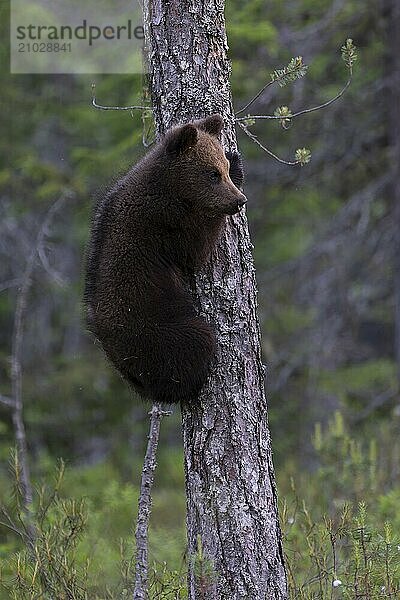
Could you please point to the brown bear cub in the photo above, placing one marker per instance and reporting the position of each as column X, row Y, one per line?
column 155, row 226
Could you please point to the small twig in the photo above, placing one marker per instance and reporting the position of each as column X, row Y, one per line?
column 101, row 107
column 145, row 134
column 301, row 112
column 53, row 274
column 6, row 401
column 12, row 528
column 376, row 403
column 6, row 285
column 16, row 356
column 267, row 85
column 144, row 508
column 257, row 141
column 44, row 507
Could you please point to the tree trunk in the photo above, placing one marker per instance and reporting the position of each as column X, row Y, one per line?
column 234, row 539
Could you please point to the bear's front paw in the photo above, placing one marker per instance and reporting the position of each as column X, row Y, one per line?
column 235, row 168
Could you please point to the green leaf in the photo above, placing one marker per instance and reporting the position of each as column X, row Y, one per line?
column 295, row 70
column 285, row 116
column 302, row 156
column 349, row 53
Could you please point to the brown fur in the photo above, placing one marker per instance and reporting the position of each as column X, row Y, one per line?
column 157, row 224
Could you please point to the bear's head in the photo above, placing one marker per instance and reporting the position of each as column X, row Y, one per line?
column 198, row 170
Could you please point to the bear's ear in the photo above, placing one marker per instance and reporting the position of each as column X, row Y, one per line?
column 181, row 139
column 213, row 124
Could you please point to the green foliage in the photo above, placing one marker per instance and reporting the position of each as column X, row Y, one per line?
column 50, row 532
column 294, row 70
column 78, row 549
column 341, row 529
column 284, row 115
column 349, row 53
column 341, row 557
column 302, row 156
column 166, row 584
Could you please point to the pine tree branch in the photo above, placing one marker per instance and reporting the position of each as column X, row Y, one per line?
column 257, row 141
column 101, row 107
column 295, row 70
column 302, row 112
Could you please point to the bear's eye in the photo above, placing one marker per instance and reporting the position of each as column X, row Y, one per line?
column 215, row 175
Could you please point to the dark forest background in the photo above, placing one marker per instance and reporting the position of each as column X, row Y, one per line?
column 326, row 245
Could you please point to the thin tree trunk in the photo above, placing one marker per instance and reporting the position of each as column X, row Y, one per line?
column 144, row 508
column 16, row 403
column 234, row 539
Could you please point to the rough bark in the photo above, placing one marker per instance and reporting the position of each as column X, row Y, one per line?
column 231, row 494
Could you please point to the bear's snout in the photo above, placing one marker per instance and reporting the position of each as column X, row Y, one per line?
column 235, row 204
column 241, row 200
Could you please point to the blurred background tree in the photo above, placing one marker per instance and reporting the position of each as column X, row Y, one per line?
column 326, row 242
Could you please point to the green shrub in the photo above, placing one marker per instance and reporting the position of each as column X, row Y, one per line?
column 340, row 524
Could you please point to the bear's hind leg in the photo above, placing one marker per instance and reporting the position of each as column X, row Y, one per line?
column 186, row 351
